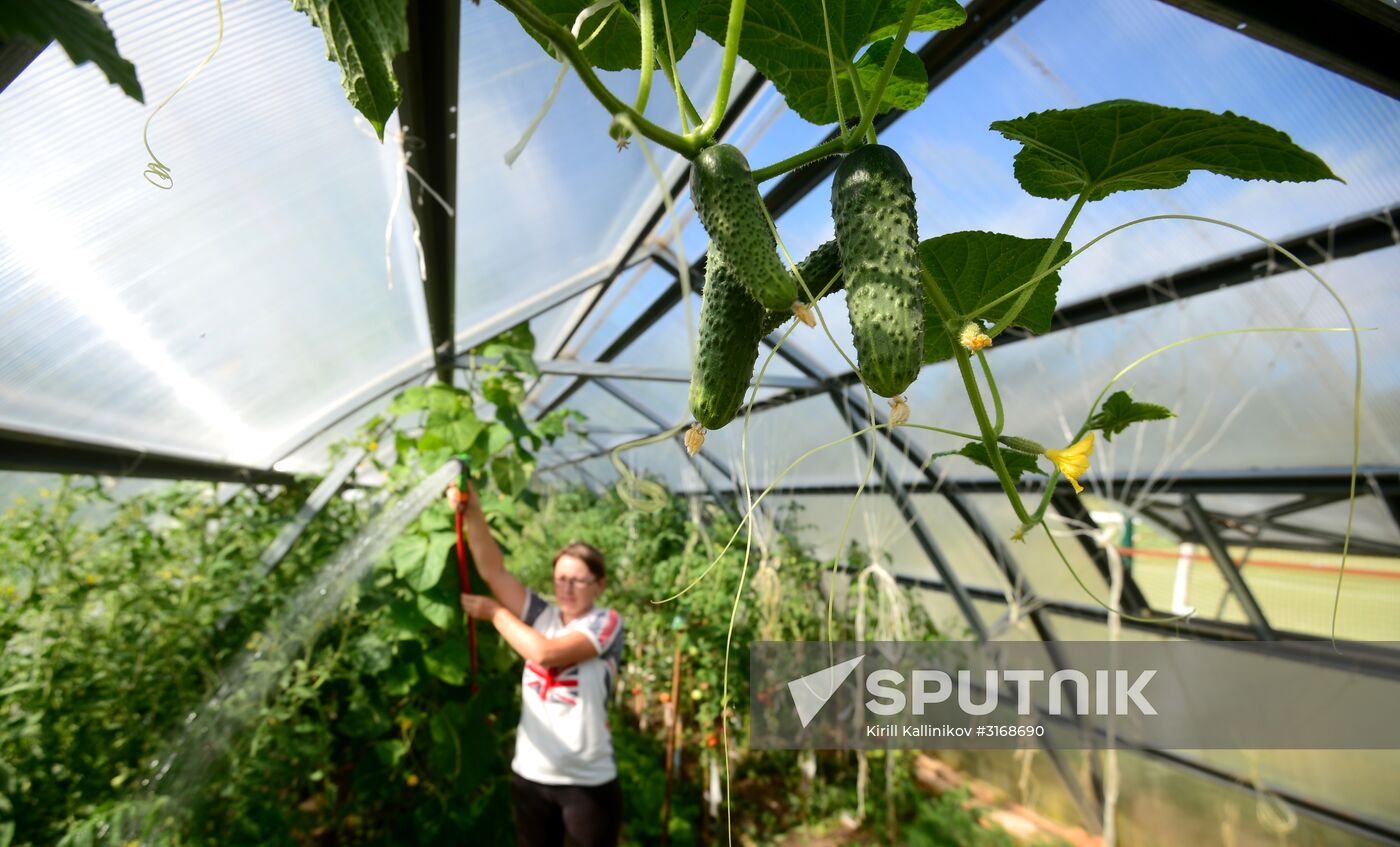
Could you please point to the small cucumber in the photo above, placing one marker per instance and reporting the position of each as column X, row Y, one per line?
column 731, row 210
column 731, row 324
column 872, row 201
column 818, row 269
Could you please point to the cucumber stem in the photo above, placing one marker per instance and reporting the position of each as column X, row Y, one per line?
column 648, row 58
column 1045, row 260
column 911, row 11
column 563, row 42
column 726, row 72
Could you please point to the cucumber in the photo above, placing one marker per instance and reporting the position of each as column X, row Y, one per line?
column 817, row 270
column 731, row 325
column 877, row 233
column 730, row 209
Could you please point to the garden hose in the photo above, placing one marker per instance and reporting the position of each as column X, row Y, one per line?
column 462, row 570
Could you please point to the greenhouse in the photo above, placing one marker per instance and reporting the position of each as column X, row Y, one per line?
column 455, row 423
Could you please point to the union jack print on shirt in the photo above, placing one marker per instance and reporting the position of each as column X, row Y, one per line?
column 552, row 683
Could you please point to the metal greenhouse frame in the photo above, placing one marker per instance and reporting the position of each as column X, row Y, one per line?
column 1356, row 38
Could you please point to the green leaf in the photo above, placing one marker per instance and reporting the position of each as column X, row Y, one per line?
column 1123, row 145
column 79, row 28
column 787, row 41
column 399, row 678
column 510, row 417
column 437, row 609
column 449, row 662
column 908, row 85
column 511, row 474
column 505, row 389
column 618, row 46
column 497, row 438
column 372, row 654
column 390, row 752
column 555, row 424
column 448, row 401
column 434, row 560
column 413, row 399
column 935, row 16
column 972, row 269
column 363, row 37
column 1120, row 410
column 519, row 337
column 407, row 554
column 519, row 360
column 1016, row 463
column 405, row 623
column 461, row 434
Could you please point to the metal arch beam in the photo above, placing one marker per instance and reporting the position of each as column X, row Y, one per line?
column 614, row 371
column 22, row 450
column 1200, row 522
column 428, row 114
column 924, row 538
column 1072, row 508
column 1352, row 237
column 1256, row 482
column 1090, row 805
column 1358, row 39
column 641, row 409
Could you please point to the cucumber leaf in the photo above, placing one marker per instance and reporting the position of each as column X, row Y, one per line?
column 786, row 41
column 1121, row 410
column 908, row 85
column 449, row 661
column 1017, row 463
column 79, row 28
column 613, row 35
column 1124, row 145
column 363, row 37
column 972, row 269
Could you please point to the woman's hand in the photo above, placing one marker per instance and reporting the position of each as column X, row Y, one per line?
column 469, row 500
column 480, row 606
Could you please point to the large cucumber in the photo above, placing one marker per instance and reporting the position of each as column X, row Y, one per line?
column 731, row 325
column 730, row 209
column 872, row 201
column 816, row 270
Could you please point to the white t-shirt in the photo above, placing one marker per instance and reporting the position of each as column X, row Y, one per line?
column 564, row 737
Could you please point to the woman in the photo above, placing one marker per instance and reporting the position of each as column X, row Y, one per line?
column 564, row 789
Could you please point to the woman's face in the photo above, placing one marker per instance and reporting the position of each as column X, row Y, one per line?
column 575, row 587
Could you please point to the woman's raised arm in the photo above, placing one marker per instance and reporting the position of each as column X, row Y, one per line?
column 487, row 554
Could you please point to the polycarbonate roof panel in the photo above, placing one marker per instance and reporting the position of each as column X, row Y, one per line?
column 219, row 319
column 1072, row 53
column 1248, row 401
column 571, row 203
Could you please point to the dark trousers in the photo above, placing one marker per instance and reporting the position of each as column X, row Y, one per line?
column 569, row 815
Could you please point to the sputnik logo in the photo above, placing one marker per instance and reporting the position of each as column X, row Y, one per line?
column 810, row 692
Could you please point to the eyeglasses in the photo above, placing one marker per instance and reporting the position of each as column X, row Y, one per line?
column 565, row 582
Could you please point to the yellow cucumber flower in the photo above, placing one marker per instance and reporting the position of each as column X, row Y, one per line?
column 973, row 339
column 1073, row 460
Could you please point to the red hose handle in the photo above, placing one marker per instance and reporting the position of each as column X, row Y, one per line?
column 465, row 575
